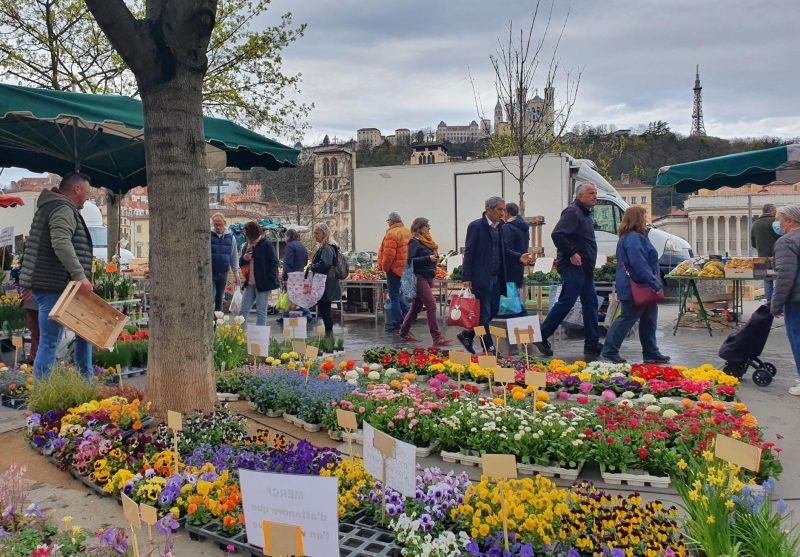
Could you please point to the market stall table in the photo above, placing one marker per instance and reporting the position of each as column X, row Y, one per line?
column 687, row 290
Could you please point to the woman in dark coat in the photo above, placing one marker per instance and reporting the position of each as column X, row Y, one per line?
column 324, row 262
column 295, row 259
column 261, row 264
column 423, row 254
column 637, row 255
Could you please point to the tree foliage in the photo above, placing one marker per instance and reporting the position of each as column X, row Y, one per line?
column 57, row 44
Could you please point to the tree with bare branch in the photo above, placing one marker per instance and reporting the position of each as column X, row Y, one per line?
column 526, row 57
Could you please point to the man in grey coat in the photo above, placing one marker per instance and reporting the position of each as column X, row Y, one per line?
column 786, row 295
column 59, row 250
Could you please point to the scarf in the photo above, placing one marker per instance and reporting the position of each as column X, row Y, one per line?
column 426, row 240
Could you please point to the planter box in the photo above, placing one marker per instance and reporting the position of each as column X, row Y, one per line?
column 227, row 397
column 570, row 474
column 311, row 428
column 292, row 419
column 335, row 434
column 467, row 460
column 213, row 532
column 423, row 452
column 270, row 413
column 635, row 478
column 145, row 423
column 483, row 387
column 88, row 316
column 14, row 403
column 421, row 378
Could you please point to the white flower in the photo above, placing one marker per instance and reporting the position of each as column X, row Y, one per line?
column 625, row 402
column 220, row 322
column 648, row 399
column 375, row 367
column 670, row 413
column 628, row 394
column 239, row 319
column 336, row 378
column 219, row 314
column 653, row 408
column 373, row 375
column 351, row 375
column 391, row 372
column 666, row 400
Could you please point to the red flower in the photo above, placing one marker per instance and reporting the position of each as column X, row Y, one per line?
column 609, row 440
column 642, row 452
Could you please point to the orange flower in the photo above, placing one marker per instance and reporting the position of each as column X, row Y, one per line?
column 191, row 509
column 395, row 384
column 111, row 268
column 687, row 403
column 228, row 521
column 739, row 406
column 409, row 377
column 137, row 425
column 705, row 397
column 749, row 421
column 241, row 519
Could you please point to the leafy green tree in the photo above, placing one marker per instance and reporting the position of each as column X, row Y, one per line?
column 57, row 44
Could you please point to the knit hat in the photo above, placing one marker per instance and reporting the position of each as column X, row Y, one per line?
column 394, row 217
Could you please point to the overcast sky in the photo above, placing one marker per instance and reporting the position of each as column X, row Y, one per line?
column 388, row 64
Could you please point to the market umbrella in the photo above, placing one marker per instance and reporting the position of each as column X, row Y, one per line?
column 753, row 167
column 102, row 135
column 10, row 201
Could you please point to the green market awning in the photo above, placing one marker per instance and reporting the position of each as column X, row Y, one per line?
column 44, row 130
column 752, row 167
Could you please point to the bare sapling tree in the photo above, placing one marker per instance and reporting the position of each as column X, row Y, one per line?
column 166, row 51
column 526, row 57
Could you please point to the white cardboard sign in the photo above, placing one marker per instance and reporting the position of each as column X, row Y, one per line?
column 453, row 262
column 523, row 323
column 543, row 264
column 296, row 327
column 401, row 470
column 258, row 335
column 6, row 236
column 307, row 501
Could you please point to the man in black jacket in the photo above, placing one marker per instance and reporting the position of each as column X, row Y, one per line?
column 763, row 238
column 576, row 248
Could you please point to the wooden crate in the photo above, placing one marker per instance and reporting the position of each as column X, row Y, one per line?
column 89, row 316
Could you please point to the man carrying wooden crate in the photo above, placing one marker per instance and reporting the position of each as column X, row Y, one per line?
column 59, row 250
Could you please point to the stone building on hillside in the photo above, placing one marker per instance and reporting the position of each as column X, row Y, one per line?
column 369, row 137
column 635, row 193
column 459, row 134
column 428, row 154
column 333, row 192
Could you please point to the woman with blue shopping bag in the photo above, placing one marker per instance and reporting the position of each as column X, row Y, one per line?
column 423, row 255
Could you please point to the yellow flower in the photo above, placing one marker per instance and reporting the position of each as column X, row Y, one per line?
column 729, row 504
column 682, row 464
column 711, row 519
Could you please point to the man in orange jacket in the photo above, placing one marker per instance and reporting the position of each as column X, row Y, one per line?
column 392, row 258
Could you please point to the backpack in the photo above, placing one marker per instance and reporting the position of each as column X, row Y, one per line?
column 341, row 268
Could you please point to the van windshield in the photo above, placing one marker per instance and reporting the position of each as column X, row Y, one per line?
column 99, row 236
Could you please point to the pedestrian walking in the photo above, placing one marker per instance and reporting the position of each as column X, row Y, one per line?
column 637, row 260
column 392, row 257
column 763, row 238
column 224, row 258
column 484, row 268
column 295, row 259
column 786, row 295
column 259, row 257
column 576, row 255
column 324, row 262
column 517, row 235
column 423, row 255
column 58, row 250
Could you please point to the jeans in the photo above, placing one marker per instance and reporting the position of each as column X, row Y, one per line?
column 49, row 337
column 490, row 306
column 577, row 282
column 324, row 312
column 791, row 316
column 249, row 296
column 399, row 307
column 648, row 321
column 219, row 282
column 424, row 296
column 768, row 286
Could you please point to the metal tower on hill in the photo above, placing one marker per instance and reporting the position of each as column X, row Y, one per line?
column 698, row 128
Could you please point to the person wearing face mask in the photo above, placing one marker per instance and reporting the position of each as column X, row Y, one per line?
column 786, row 295
column 763, row 235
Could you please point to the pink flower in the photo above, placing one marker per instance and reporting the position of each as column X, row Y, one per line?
column 434, row 383
column 390, row 424
column 608, row 395
column 361, row 409
column 586, row 387
column 441, row 394
column 583, row 399
column 412, row 423
column 563, row 395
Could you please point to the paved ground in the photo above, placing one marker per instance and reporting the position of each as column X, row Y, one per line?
column 774, row 407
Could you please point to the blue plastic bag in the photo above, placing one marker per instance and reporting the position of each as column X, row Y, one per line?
column 510, row 304
column 408, row 283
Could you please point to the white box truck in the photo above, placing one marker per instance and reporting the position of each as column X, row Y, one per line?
column 452, row 195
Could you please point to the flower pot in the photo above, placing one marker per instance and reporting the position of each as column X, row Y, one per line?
column 356, row 437
column 335, row 434
column 468, row 460
column 311, row 428
column 270, row 413
column 637, row 478
column 423, row 452
column 292, row 419
column 570, row 474
column 421, row 378
column 227, row 397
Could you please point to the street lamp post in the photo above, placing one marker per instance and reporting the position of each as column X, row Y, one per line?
column 749, row 223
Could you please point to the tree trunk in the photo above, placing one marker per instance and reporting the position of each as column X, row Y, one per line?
column 113, row 201
column 180, row 363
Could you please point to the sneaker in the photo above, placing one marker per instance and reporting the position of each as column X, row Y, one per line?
column 593, row 352
column 615, row 359
column 796, row 389
column 466, row 341
column 442, row 342
column 544, row 348
column 408, row 337
column 660, row 359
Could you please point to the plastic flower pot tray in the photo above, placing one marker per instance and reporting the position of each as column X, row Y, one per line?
column 145, row 423
column 358, row 438
column 292, row 419
column 483, row 387
column 311, row 428
column 88, row 483
column 227, row 397
column 15, row 403
column 133, row 371
column 570, row 474
column 467, row 460
column 88, row 316
column 356, row 540
column 636, row 478
column 213, row 532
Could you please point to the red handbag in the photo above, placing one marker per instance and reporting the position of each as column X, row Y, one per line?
column 464, row 311
column 643, row 294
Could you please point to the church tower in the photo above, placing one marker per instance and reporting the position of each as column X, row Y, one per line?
column 498, row 114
